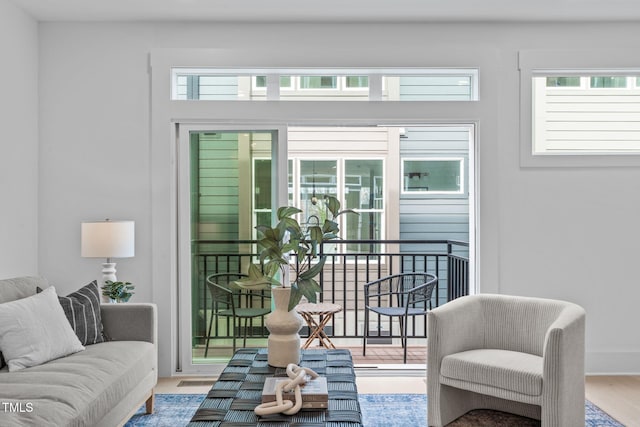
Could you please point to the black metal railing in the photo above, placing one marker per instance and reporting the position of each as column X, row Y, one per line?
column 350, row 264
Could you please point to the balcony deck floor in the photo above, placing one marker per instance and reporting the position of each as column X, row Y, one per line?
column 377, row 354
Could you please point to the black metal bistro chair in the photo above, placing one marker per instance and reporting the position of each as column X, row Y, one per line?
column 230, row 301
column 401, row 295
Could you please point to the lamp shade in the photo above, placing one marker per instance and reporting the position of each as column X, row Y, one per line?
column 108, row 239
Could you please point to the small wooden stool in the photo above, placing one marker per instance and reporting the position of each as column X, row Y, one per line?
column 325, row 311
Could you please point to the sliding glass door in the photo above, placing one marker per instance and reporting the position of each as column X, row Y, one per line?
column 228, row 183
column 411, row 183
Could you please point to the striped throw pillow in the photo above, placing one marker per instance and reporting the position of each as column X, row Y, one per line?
column 82, row 309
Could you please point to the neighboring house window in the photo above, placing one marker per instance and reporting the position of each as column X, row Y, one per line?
column 358, row 184
column 260, row 82
column 433, row 176
column 318, row 82
column 608, row 82
column 356, row 82
column 364, row 193
column 261, row 187
column 262, row 191
column 563, row 81
column 317, row 178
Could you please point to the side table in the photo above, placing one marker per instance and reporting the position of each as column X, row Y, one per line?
column 325, row 311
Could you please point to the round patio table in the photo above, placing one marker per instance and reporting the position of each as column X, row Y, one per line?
column 325, row 312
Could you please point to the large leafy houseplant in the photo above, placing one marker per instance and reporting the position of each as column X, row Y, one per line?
column 287, row 237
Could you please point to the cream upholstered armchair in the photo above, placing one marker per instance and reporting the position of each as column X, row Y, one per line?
column 514, row 354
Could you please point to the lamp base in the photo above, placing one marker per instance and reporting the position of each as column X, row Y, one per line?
column 109, row 272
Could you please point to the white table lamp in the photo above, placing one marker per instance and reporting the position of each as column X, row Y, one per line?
column 108, row 239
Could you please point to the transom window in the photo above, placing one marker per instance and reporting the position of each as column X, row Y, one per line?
column 347, row 85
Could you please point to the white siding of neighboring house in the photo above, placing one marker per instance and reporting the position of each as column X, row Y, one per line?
column 571, row 119
column 435, row 88
column 437, row 216
column 209, row 88
column 218, row 191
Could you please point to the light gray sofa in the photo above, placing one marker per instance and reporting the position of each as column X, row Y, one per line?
column 101, row 386
column 509, row 353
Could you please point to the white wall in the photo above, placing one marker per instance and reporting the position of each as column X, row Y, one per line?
column 18, row 142
column 94, row 148
column 563, row 233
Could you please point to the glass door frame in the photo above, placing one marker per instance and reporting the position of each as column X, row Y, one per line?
column 279, row 196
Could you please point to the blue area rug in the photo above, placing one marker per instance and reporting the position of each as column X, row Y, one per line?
column 406, row 410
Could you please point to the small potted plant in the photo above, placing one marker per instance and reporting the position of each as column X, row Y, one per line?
column 118, row 291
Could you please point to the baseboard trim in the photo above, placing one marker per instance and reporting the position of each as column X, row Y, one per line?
column 613, row 363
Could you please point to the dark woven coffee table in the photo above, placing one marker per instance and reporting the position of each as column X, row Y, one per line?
column 238, row 391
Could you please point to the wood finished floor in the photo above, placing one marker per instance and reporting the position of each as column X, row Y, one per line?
column 617, row 395
column 385, row 355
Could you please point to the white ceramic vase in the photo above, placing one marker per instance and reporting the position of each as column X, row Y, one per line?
column 283, row 326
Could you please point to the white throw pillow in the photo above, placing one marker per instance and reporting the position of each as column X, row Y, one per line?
column 35, row 330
